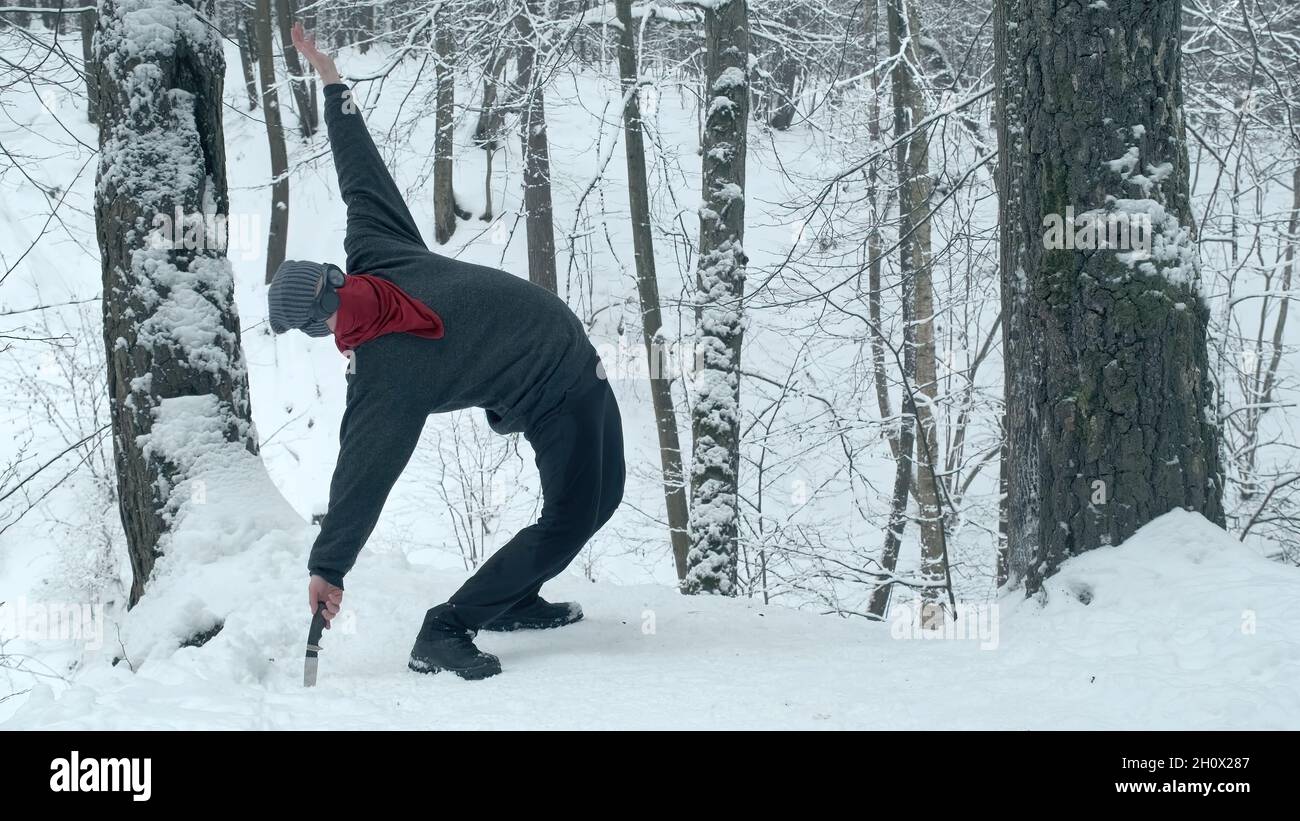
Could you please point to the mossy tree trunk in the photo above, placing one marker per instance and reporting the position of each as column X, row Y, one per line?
column 1120, row 405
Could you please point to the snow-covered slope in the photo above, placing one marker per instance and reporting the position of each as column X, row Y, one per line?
column 1181, row 627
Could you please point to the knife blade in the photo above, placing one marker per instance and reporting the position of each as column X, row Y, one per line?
column 312, row 662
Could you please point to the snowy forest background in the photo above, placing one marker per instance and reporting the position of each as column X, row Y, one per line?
column 861, row 334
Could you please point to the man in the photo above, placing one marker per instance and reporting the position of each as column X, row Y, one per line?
column 428, row 334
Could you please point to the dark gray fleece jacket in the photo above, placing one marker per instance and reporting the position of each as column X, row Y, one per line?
column 509, row 346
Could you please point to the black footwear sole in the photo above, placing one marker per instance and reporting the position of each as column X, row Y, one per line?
column 469, row 673
column 505, row 625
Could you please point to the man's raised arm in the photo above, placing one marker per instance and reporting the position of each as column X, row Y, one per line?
column 379, row 223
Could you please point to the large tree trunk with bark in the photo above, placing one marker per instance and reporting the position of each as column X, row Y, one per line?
column 1122, row 418
column 277, row 235
column 176, row 375
column 661, row 386
column 719, row 316
column 537, row 157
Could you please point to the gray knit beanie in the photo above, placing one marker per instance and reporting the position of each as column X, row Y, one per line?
column 292, row 292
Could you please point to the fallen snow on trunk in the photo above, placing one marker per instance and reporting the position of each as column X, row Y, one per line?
column 1180, row 627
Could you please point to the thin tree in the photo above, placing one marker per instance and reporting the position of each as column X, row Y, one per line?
column 444, row 194
column 719, row 315
column 913, row 166
column 488, row 127
column 299, row 82
column 647, row 282
column 246, row 40
column 277, row 235
column 87, row 54
column 902, row 435
column 537, row 157
column 1020, row 364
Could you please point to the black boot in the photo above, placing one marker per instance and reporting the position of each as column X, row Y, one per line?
column 536, row 614
column 444, row 647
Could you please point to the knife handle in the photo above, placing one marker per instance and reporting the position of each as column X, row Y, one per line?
column 318, row 625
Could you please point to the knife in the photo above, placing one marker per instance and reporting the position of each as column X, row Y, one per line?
column 312, row 662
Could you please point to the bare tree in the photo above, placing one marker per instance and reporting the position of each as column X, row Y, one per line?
column 247, row 42
column 661, row 386
column 487, row 129
column 715, row 413
column 536, row 147
column 308, row 116
column 444, row 194
column 277, row 235
column 87, row 53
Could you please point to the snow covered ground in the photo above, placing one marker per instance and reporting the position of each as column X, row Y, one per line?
column 1182, row 628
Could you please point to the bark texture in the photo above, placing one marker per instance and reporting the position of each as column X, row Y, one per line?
column 1117, row 394
column 171, row 330
column 715, row 413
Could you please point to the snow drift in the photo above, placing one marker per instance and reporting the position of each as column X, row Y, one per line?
column 1180, row 627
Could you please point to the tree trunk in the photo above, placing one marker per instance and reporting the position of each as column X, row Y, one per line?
column 88, row 64
column 488, row 127
column 444, row 194
column 901, row 438
column 785, row 77
column 912, row 158
column 365, row 27
column 309, row 19
column 278, row 234
column 1122, row 407
column 308, row 116
column 537, row 160
column 719, row 317
column 156, row 99
column 53, row 19
column 1263, row 378
column 661, row 386
column 245, row 39
column 1020, row 361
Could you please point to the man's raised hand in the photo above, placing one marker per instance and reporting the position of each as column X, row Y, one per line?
column 322, row 62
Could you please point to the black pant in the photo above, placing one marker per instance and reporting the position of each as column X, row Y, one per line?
column 579, row 448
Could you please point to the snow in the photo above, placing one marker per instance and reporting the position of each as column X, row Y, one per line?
column 720, row 104
column 730, row 78
column 607, row 15
column 1125, row 164
column 1180, row 627
column 1172, row 254
column 154, row 27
